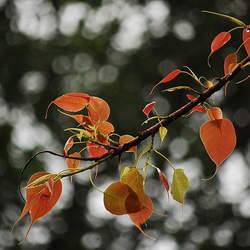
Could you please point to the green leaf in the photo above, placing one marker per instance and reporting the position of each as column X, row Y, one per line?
column 232, row 19
column 163, row 132
column 180, row 185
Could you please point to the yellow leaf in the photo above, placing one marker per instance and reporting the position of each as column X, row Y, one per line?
column 180, row 185
column 163, row 132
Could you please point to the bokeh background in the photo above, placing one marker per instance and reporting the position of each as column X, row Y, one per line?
column 118, row 49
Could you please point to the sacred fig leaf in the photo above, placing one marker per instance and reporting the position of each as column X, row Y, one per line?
column 126, row 139
column 221, row 39
column 215, row 113
column 95, row 150
column 140, row 217
column 72, row 102
column 180, row 185
column 169, row 77
column 219, row 139
column 40, row 200
column 147, row 109
column 120, row 199
column 163, row 132
column 246, row 38
column 229, row 63
column 73, row 163
column 98, row 109
column 132, row 177
column 105, row 128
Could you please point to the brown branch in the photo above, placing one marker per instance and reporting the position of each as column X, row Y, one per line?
column 222, row 81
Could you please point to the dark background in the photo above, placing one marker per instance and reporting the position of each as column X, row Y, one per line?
column 117, row 50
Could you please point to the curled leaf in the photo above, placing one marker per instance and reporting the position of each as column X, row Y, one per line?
column 177, row 88
column 221, row 39
column 120, row 199
column 163, row 179
column 180, row 185
column 68, row 145
column 147, row 109
column 215, row 113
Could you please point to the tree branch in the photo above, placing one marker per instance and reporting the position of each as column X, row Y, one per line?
column 221, row 82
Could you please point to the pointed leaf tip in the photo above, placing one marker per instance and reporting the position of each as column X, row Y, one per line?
column 219, row 139
column 221, row 39
column 170, row 76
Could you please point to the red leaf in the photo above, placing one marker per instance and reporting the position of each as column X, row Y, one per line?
column 173, row 74
column 246, row 39
column 81, row 119
column 41, row 199
column 229, row 63
column 98, row 110
column 72, row 102
column 163, row 179
column 190, row 97
column 197, row 108
column 221, row 39
column 219, row 139
column 73, row 163
column 148, row 108
column 95, row 150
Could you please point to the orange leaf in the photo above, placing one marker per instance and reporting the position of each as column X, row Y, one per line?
column 105, row 128
column 98, row 110
column 190, row 97
column 215, row 113
column 41, row 199
column 221, row 39
column 95, row 150
column 147, row 109
column 229, row 63
column 120, row 199
column 138, row 218
column 219, row 139
column 169, row 77
column 246, row 38
column 72, row 102
column 73, row 163
column 126, row 139
column 68, row 145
